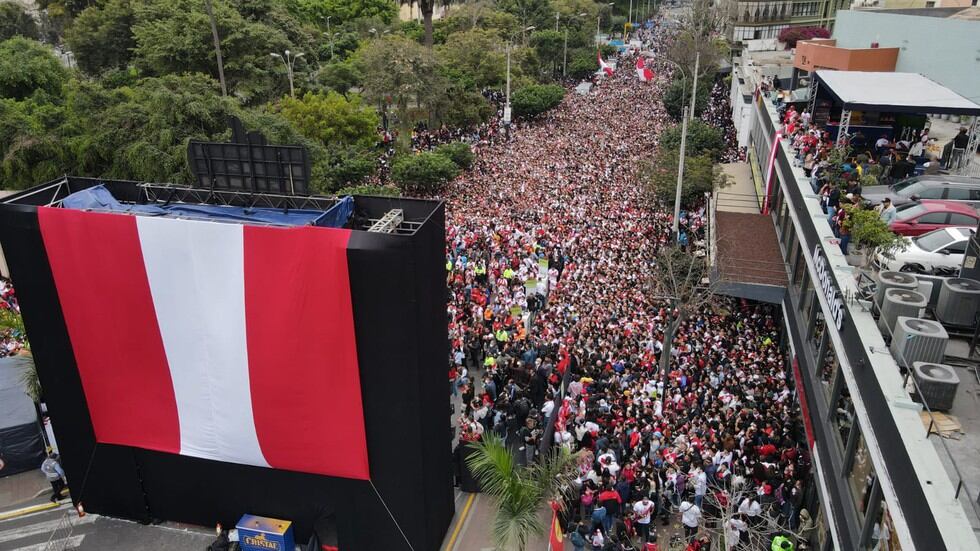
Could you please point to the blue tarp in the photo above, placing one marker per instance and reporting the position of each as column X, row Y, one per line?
column 99, row 198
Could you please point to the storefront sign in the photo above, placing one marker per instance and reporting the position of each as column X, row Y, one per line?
column 265, row 534
column 828, row 286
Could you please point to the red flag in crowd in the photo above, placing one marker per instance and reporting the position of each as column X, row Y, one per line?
column 605, row 66
column 642, row 71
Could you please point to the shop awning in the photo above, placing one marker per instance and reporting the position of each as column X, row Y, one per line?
column 893, row 93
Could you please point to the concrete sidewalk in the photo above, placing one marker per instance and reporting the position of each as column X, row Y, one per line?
column 23, row 490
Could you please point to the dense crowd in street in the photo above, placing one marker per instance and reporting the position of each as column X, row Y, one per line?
column 549, row 244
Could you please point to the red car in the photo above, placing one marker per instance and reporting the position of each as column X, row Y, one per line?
column 925, row 216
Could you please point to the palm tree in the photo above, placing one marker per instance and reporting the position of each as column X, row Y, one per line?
column 520, row 493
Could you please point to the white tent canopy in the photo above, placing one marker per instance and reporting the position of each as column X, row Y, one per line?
column 894, row 93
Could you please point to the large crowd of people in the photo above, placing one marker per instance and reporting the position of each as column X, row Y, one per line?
column 550, row 241
column 12, row 339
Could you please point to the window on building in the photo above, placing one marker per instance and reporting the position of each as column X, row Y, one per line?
column 862, row 476
column 844, row 414
column 816, row 336
column 828, row 367
column 929, row 4
column 883, row 534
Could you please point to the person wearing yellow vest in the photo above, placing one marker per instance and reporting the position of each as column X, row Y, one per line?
column 508, row 274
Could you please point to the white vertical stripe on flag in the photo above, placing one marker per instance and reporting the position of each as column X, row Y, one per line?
column 196, row 275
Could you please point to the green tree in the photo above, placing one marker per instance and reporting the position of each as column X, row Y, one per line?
column 15, row 21
column 519, row 493
column 101, row 37
column 678, row 95
column 463, row 109
column 582, row 63
column 424, row 172
column 174, row 36
column 461, row 154
column 531, row 101
column 701, row 175
column 702, row 139
column 334, row 120
column 529, row 12
column 400, row 72
column 340, row 76
column 478, row 55
column 27, row 67
column 340, row 11
column 549, row 45
column 349, row 167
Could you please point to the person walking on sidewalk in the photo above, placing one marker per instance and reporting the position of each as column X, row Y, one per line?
column 52, row 470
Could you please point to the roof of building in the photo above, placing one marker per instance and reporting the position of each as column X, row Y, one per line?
column 970, row 13
column 894, row 93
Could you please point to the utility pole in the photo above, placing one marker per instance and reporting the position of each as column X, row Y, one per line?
column 557, row 15
column 694, row 87
column 217, row 48
column 507, row 97
column 680, row 179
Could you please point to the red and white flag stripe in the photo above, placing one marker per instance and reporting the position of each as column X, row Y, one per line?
column 219, row 341
column 642, row 71
column 605, row 66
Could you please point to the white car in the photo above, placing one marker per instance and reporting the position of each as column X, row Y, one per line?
column 940, row 249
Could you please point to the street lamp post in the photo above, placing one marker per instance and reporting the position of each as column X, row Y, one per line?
column 289, row 61
column 680, row 179
column 332, row 37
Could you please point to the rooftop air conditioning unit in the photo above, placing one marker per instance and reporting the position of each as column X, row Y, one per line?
column 959, row 301
column 937, row 384
column 893, row 280
column 918, row 340
column 899, row 302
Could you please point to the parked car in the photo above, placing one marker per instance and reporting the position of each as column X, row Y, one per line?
column 937, row 252
column 960, row 189
column 925, row 216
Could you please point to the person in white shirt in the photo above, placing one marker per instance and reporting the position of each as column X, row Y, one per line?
column 700, row 486
column 690, row 518
column 733, row 531
column 643, row 510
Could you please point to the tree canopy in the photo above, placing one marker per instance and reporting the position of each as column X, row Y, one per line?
column 29, row 68
column 701, row 175
column 702, row 139
column 425, row 172
column 531, row 101
column 15, row 21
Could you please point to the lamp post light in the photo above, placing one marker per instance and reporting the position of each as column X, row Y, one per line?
column 332, row 37
column 289, row 61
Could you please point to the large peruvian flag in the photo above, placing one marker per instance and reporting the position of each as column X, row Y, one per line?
column 220, row 341
column 642, row 71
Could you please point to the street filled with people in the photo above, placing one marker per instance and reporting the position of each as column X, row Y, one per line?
column 550, row 240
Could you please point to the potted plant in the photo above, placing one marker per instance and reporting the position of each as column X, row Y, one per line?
column 871, row 235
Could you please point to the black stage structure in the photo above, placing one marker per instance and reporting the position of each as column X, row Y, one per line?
column 398, row 292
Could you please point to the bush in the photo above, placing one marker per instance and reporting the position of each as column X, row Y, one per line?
column 458, row 152
column 424, row 173
column 384, row 191
column 349, row 169
column 531, row 101
column 702, row 139
column 792, row 35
